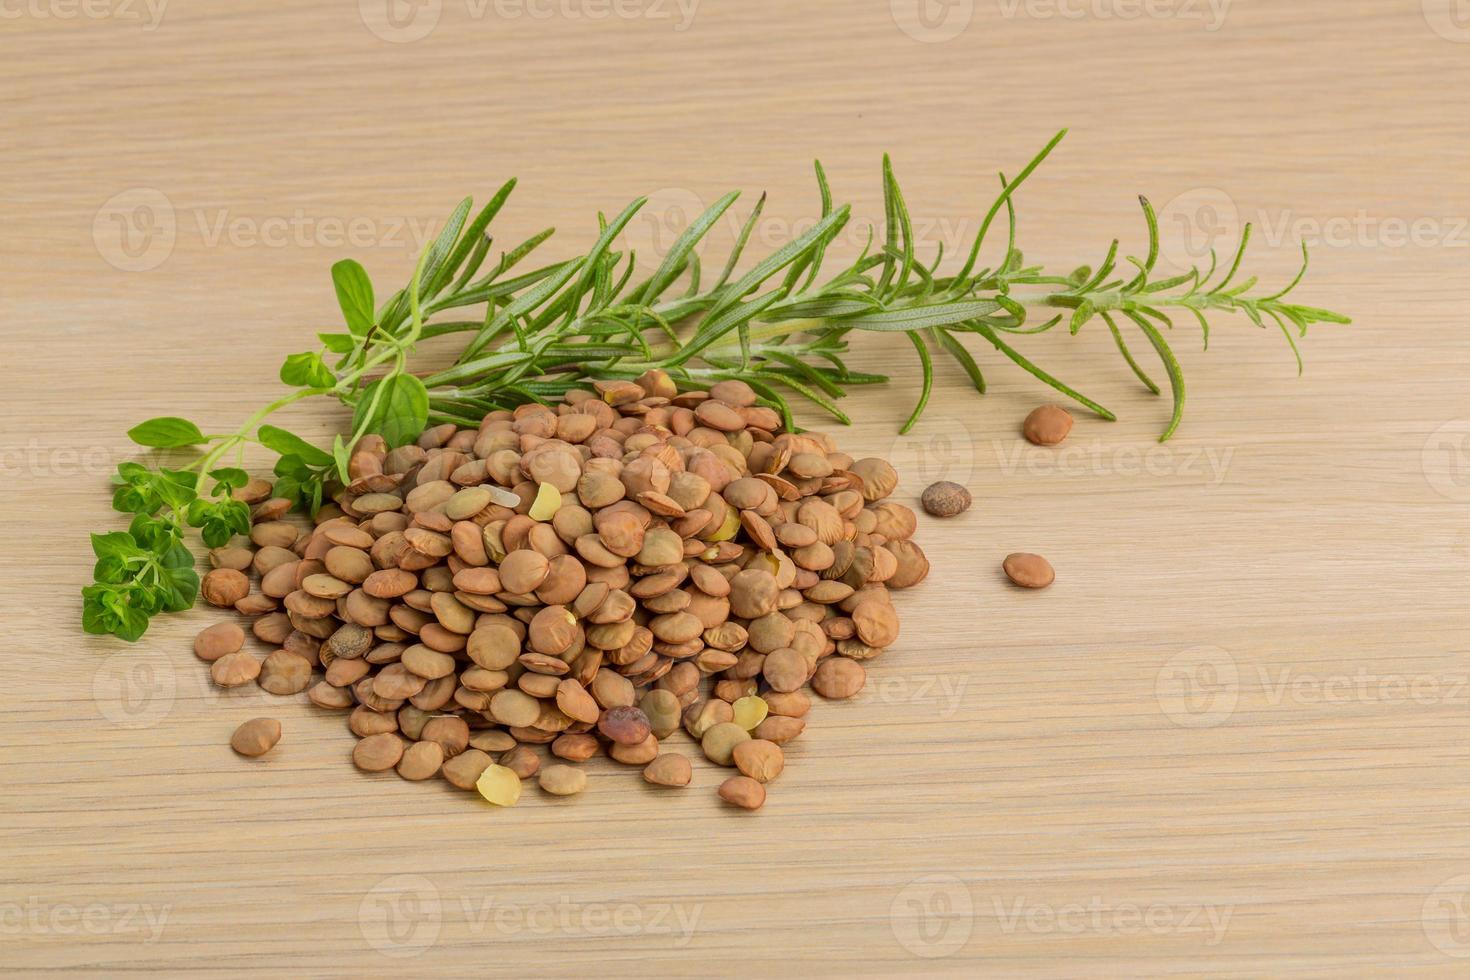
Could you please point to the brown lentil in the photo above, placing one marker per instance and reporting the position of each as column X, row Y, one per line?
column 464, row 770
column 234, row 669
column 1029, row 571
column 779, row 729
column 559, row 780
column 946, row 499
column 256, row 737
column 718, row 743
column 744, row 792
column 521, row 760
column 1047, row 425
column 625, row 725
column 838, row 678
column 378, row 753
column 669, row 769
column 218, row 640
column 759, row 759
column 284, row 672
column 420, row 761
column 224, row 587
column 640, row 754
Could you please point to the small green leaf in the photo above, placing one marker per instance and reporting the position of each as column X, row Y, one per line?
column 154, row 534
column 290, row 444
column 354, row 295
column 166, row 432
column 293, row 467
column 337, row 343
column 176, row 487
column 136, row 496
column 180, row 581
column 228, row 478
column 307, row 370
column 117, row 544
column 400, row 409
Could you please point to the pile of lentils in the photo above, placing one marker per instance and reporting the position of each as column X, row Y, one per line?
column 587, row 578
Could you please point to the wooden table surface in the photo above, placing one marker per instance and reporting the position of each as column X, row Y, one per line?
column 1231, row 740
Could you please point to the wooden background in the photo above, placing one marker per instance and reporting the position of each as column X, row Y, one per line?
column 1231, row 740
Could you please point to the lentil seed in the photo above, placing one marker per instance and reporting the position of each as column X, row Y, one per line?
column 256, row 737
column 562, row 780
column 1048, row 425
column 669, row 769
column 744, row 792
column 218, row 640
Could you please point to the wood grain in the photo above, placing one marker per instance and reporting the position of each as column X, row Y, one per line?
column 1229, row 742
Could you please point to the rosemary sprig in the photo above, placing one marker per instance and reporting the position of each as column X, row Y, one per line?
column 783, row 326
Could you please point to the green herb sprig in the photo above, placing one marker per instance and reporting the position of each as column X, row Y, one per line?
column 783, row 325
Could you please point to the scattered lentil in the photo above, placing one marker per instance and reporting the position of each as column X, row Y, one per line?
column 946, row 499
column 1029, row 571
column 1047, row 425
column 256, row 737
